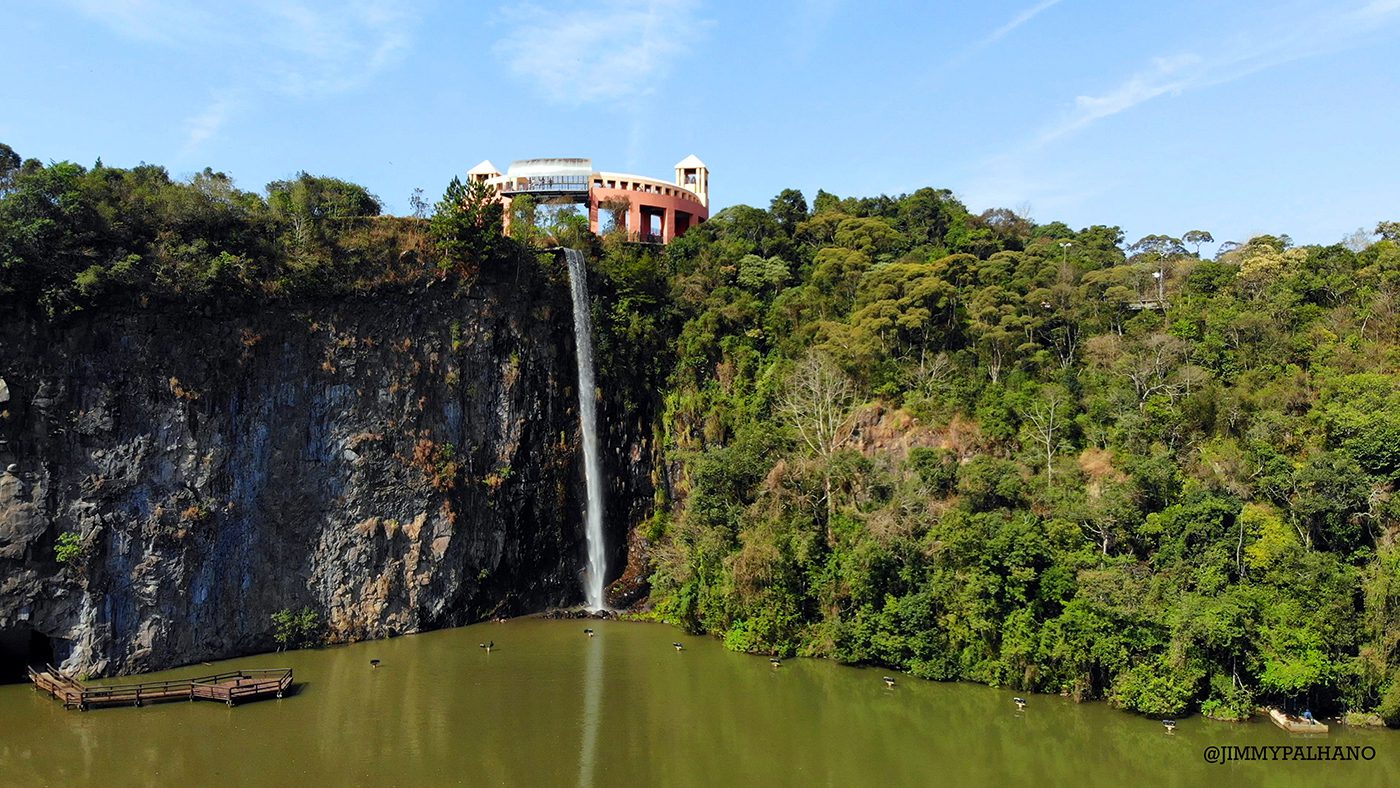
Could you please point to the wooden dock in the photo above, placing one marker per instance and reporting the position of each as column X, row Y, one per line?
column 230, row 687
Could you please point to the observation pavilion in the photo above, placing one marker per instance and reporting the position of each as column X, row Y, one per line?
column 656, row 211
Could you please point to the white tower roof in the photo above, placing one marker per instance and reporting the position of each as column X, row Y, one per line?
column 690, row 162
column 484, row 168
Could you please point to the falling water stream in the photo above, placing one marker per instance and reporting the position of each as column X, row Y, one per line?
column 588, row 424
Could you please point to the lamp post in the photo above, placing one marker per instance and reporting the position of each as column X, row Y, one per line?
column 1161, row 299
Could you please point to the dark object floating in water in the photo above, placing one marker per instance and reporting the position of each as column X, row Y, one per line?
column 374, row 663
column 889, row 681
column 775, row 662
column 679, row 646
column 588, row 632
column 488, row 645
column 1020, row 703
column 1170, row 725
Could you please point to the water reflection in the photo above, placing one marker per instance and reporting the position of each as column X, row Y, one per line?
column 592, row 701
column 551, row 707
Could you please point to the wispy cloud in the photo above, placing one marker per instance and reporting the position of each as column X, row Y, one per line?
column 158, row 21
column 1276, row 42
column 206, row 124
column 614, row 51
column 1271, row 39
column 969, row 51
column 1165, row 75
column 1379, row 8
column 288, row 47
column 1016, row 21
column 331, row 48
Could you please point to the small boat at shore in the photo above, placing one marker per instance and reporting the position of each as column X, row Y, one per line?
column 1295, row 724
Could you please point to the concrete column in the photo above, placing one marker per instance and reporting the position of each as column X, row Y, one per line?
column 668, row 225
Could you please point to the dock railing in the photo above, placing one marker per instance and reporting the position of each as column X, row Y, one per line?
column 228, row 687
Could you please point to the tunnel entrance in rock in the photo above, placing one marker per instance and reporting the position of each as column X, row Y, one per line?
column 20, row 647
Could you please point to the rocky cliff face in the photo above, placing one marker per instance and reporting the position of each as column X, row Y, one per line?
column 396, row 462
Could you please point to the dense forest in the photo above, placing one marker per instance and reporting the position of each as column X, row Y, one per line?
column 981, row 448
column 966, row 446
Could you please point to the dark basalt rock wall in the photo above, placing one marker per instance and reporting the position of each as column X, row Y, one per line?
column 398, row 461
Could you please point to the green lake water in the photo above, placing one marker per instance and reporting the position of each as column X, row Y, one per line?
column 549, row 706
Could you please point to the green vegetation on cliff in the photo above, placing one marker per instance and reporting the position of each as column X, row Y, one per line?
column 73, row 237
column 976, row 447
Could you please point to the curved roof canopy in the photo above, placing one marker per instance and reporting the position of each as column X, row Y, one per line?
column 547, row 168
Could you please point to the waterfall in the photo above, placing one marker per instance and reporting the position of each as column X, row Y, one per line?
column 588, row 424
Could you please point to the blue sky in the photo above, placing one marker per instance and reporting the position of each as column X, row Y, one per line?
column 1234, row 117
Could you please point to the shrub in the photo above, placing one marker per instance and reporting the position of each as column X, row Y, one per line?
column 295, row 628
column 936, row 468
column 68, row 548
column 1227, row 701
column 1389, row 708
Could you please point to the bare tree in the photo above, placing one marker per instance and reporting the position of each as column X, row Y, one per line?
column 1152, row 367
column 1098, row 532
column 817, row 400
column 1046, row 419
column 931, row 374
column 417, row 202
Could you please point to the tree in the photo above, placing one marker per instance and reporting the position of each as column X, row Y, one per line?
column 466, row 227
column 825, row 202
column 1152, row 366
column 816, row 400
column 617, row 209
column 9, row 168
column 524, row 218
column 762, row 274
column 1045, row 418
column 317, row 197
column 308, row 202
column 1011, row 227
column 419, row 205
column 569, row 227
column 1196, row 238
column 789, row 208
column 898, row 303
column 926, row 215
column 1357, row 240
column 1153, row 247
